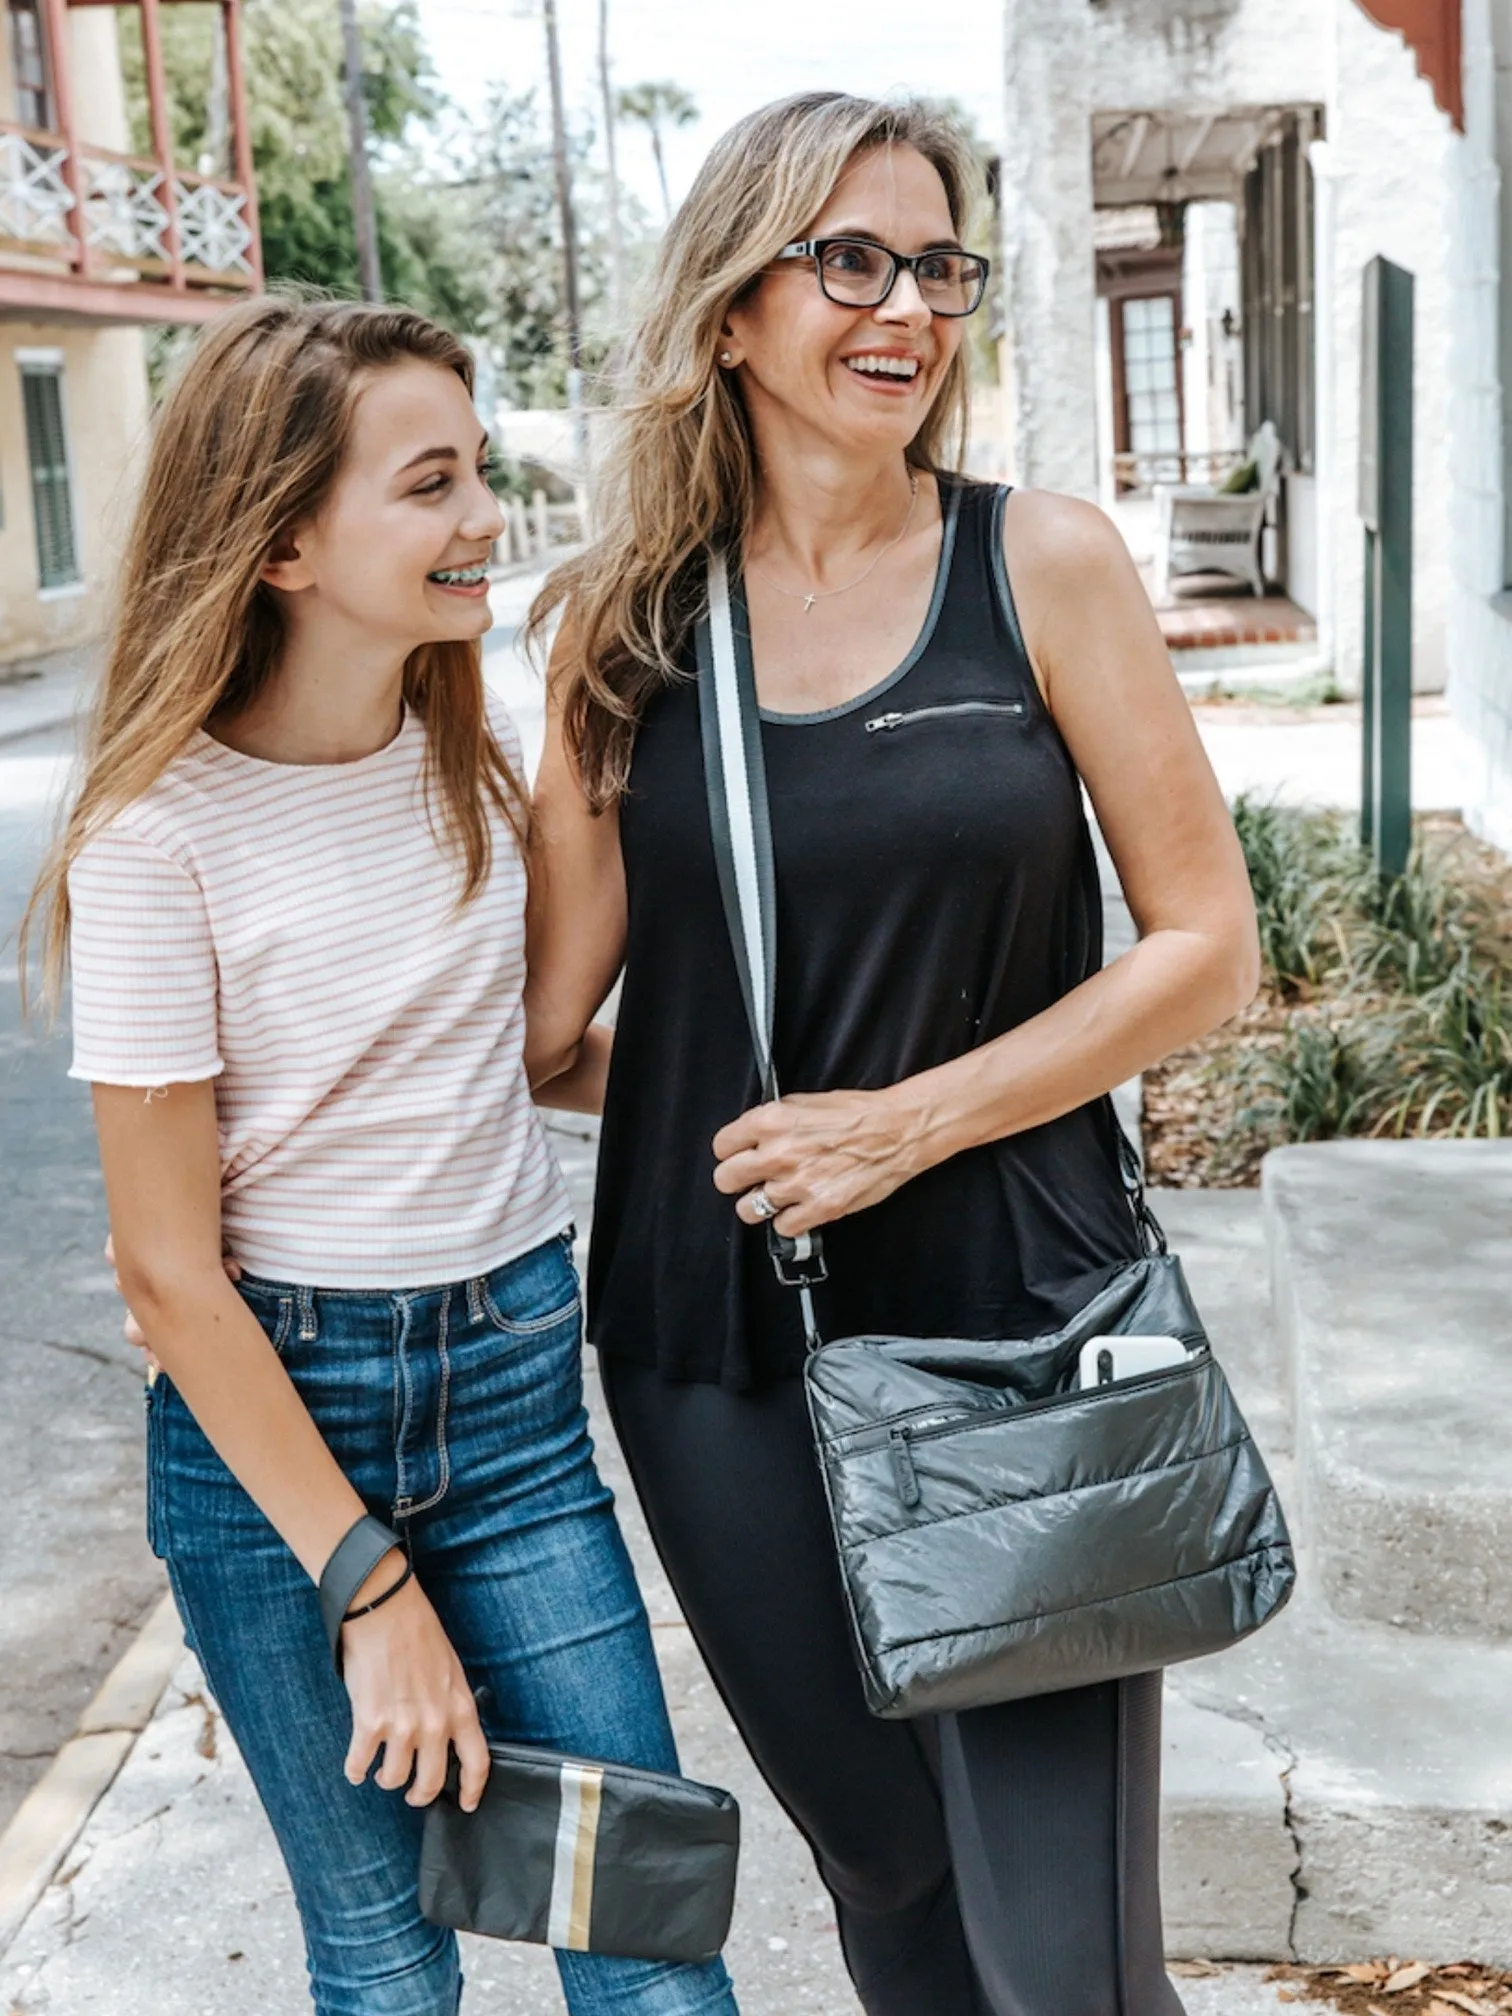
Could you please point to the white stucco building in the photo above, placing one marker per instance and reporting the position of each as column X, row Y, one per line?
column 1280, row 144
column 96, row 244
column 1480, row 415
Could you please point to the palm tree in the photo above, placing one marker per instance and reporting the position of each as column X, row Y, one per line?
column 656, row 106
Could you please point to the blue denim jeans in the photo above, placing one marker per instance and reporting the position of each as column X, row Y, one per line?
column 458, row 1414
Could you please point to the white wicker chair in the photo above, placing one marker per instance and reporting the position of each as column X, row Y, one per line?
column 1199, row 530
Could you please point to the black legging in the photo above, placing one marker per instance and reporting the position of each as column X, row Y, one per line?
column 1002, row 1862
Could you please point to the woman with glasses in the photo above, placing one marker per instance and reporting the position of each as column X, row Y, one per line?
column 940, row 667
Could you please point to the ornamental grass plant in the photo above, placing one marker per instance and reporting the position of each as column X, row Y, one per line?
column 1385, row 1009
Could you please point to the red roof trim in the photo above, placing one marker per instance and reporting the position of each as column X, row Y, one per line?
column 1432, row 30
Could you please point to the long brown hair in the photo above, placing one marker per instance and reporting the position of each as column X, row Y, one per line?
column 680, row 472
column 248, row 445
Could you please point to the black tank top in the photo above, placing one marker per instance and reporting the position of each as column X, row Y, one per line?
column 936, row 886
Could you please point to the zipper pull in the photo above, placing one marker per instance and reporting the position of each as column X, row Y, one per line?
column 903, row 1466
column 879, row 723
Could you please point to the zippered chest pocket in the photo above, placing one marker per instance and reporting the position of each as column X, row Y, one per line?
column 948, row 710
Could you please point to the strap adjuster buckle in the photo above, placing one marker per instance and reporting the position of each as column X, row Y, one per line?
column 797, row 1263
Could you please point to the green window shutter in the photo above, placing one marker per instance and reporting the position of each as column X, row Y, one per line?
column 47, row 452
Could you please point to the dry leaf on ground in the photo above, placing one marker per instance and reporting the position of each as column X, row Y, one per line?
column 1460, row 1987
column 1192, row 1970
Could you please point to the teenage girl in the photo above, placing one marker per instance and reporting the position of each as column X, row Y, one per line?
column 294, row 889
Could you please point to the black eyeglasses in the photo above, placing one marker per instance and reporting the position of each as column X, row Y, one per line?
column 858, row 273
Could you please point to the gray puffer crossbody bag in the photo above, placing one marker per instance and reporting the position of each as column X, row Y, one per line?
column 1001, row 1530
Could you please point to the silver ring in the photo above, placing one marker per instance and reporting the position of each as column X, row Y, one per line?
column 761, row 1204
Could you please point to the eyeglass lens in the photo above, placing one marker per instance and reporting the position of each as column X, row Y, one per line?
column 859, row 275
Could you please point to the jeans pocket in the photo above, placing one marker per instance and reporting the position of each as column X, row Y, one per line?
column 536, row 1293
column 529, row 1326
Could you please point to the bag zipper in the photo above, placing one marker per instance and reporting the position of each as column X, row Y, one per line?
column 882, row 724
column 903, row 1429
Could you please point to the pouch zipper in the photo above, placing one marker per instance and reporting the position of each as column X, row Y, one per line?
column 526, row 1754
column 882, row 724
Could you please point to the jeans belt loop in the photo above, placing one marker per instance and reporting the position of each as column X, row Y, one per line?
column 304, row 1300
column 475, row 1298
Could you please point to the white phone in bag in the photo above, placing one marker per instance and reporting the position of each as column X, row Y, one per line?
column 1106, row 1360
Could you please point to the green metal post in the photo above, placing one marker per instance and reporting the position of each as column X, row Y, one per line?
column 1386, row 508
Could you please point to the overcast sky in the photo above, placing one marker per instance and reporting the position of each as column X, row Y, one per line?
column 731, row 57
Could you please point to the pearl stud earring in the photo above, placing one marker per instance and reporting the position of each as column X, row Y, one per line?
column 727, row 357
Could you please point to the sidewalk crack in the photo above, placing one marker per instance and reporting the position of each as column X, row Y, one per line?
column 1282, row 1750
column 89, row 1845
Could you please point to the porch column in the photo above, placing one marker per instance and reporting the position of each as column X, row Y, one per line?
column 1048, row 288
column 60, row 54
column 162, row 134
column 1336, row 486
column 241, row 131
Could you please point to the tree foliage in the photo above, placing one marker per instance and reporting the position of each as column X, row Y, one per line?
column 511, row 181
column 467, row 213
column 298, row 122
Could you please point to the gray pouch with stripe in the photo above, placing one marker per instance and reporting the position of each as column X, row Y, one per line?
column 590, row 1857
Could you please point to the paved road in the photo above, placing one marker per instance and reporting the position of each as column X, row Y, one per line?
column 76, row 1577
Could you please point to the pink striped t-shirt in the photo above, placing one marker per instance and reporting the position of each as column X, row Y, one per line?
column 292, row 931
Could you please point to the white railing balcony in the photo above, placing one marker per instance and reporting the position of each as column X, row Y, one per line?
column 97, row 215
column 35, row 198
column 214, row 234
column 124, row 218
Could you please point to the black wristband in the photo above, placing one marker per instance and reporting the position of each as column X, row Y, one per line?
column 353, row 1559
column 363, row 1609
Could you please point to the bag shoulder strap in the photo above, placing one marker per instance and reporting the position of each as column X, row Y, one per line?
column 740, row 826
column 739, row 816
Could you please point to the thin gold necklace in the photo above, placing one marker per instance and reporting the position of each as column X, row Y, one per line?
column 824, row 594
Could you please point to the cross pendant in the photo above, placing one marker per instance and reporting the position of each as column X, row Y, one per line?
column 808, row 603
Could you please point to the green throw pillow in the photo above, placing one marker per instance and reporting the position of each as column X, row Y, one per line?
column 1245, row 477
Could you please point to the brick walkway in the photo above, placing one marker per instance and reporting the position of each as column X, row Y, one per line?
column 1199, row 617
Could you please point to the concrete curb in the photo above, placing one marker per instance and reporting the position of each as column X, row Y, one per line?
column 53, row 1814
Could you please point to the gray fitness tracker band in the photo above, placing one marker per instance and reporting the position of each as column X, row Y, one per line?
column 354, row 1558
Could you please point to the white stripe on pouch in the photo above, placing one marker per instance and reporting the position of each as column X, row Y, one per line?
column 569, row 1919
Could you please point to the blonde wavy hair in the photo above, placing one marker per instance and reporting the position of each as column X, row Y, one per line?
column 680, row 471
column 249, row 444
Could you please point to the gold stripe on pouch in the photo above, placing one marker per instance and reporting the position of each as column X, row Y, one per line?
column 570, row 1916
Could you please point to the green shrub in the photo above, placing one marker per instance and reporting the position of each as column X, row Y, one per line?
column 1324, row 1079
column 1417, row 1035
column 1416, row 932
column 1455, row 1065
column 1302, row 870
